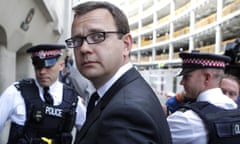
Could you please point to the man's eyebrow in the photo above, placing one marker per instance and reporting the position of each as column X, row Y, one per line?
column 89, row 32
column 95, row 30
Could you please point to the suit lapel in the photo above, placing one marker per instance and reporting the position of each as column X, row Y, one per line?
column 129, row 76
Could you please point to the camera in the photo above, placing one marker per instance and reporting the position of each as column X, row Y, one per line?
column 232, row 50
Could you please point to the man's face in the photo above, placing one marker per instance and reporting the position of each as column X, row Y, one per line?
column 193, row 83
column 46, row 76
column 230, row 88
column 99, row 62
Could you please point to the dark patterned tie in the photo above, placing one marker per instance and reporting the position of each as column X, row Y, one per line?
column 91, row 103
column 48, row 98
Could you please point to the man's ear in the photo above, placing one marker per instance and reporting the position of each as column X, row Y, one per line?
column 127, row 41
column 207, row 76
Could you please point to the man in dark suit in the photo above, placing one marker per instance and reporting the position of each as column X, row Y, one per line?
column 126, row 111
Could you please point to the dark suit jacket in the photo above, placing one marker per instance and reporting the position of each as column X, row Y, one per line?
column 129, row 113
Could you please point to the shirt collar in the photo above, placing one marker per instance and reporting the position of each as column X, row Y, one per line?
column 53, row 87
column 102, row 90
column 215, row 96
column 204, row 96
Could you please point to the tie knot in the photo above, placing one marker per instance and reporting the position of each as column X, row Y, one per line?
column 48, row 98
column 95, row 96
column 91, row 103
column 46, row 88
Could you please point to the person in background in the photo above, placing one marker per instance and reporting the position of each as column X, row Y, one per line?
column 42, row 110
column 64, row 74
column 230, row 86
column 201, row 73
column 124, row 109
column 173, row 103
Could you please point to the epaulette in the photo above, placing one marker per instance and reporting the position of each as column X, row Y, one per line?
column 17, row 85
column 26, row 81
column 23, row 81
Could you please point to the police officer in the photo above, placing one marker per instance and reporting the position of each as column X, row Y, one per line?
column 42, row 110
column 201, row 74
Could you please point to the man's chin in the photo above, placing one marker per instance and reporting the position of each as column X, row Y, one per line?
column 44, row 84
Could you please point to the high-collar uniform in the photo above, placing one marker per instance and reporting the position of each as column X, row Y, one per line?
column 12, row 106
column 128, row 112
column 187, row 127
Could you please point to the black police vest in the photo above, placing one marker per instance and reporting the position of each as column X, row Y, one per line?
column 43, row 120
column 223, row 125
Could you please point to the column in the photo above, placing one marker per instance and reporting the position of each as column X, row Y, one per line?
column 192, row 24
column 172, row 9
column 8, row 68
column 218, row 37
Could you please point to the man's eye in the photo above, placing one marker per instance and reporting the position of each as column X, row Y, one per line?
column 97, row 36
column 78, row 39
column 233, row 94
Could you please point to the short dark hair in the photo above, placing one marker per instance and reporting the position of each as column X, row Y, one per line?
column 231, row 77
column 119, row 17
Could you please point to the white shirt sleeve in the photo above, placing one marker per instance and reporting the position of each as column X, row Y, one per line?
column 12, row 107
column 187, row 128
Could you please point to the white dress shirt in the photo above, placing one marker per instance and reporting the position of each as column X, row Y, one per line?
column 12, row 106
column 102, row 90
column 187, row 127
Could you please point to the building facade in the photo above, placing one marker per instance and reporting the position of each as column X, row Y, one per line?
column 26, row 23
column 163, row 28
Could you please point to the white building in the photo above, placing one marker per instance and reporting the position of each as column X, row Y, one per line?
column 163, row 28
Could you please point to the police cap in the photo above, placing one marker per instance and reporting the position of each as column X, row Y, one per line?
column 45, row 55
column 196, row 60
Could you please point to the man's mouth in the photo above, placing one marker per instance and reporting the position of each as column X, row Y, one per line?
column 88, row 62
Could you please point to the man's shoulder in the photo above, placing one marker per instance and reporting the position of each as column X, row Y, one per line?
column 223, row 102
column 26, row 81
column 216, row 97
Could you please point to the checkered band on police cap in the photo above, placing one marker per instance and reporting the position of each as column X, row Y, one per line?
column 204, row 62
column 45, row 55
column 197, row 60
column 44, row 51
